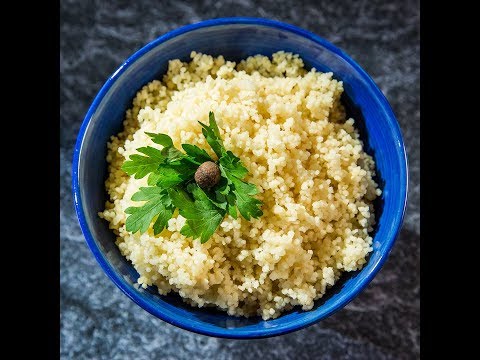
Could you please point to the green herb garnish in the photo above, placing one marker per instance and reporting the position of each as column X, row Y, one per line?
column 202, row 189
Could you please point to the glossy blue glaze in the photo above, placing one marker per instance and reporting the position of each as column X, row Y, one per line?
column 237, row 38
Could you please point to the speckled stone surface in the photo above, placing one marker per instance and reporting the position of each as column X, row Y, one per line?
column 99, row 322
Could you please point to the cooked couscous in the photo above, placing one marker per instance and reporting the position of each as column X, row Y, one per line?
column 289, row 128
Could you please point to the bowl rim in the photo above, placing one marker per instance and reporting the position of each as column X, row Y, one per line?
column 185, row 323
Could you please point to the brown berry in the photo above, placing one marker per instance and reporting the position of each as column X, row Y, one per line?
column 207, row 175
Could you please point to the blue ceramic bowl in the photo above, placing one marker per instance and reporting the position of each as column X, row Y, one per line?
column 237, row 38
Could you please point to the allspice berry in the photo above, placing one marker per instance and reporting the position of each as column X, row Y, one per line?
column 207, row 175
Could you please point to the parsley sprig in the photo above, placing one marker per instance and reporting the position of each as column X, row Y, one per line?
column 171, row 185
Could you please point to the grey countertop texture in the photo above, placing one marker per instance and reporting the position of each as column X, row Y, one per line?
column 99, row 322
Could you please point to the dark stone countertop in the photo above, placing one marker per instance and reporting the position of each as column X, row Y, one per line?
column 99, row 322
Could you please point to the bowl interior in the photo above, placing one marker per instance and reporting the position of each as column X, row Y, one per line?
column 236, row 41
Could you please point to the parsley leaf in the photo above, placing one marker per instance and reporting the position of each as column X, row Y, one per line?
column 202, row 215
column 172, row 155
column 161, row 139
column 172, row 185
column 157, row 204
column 246, row 204
column 198, row 155
column 143, row 165
column 168, row 176
column 232, row 165
column 169, row 152
column 239, row 192
column 212, row 135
